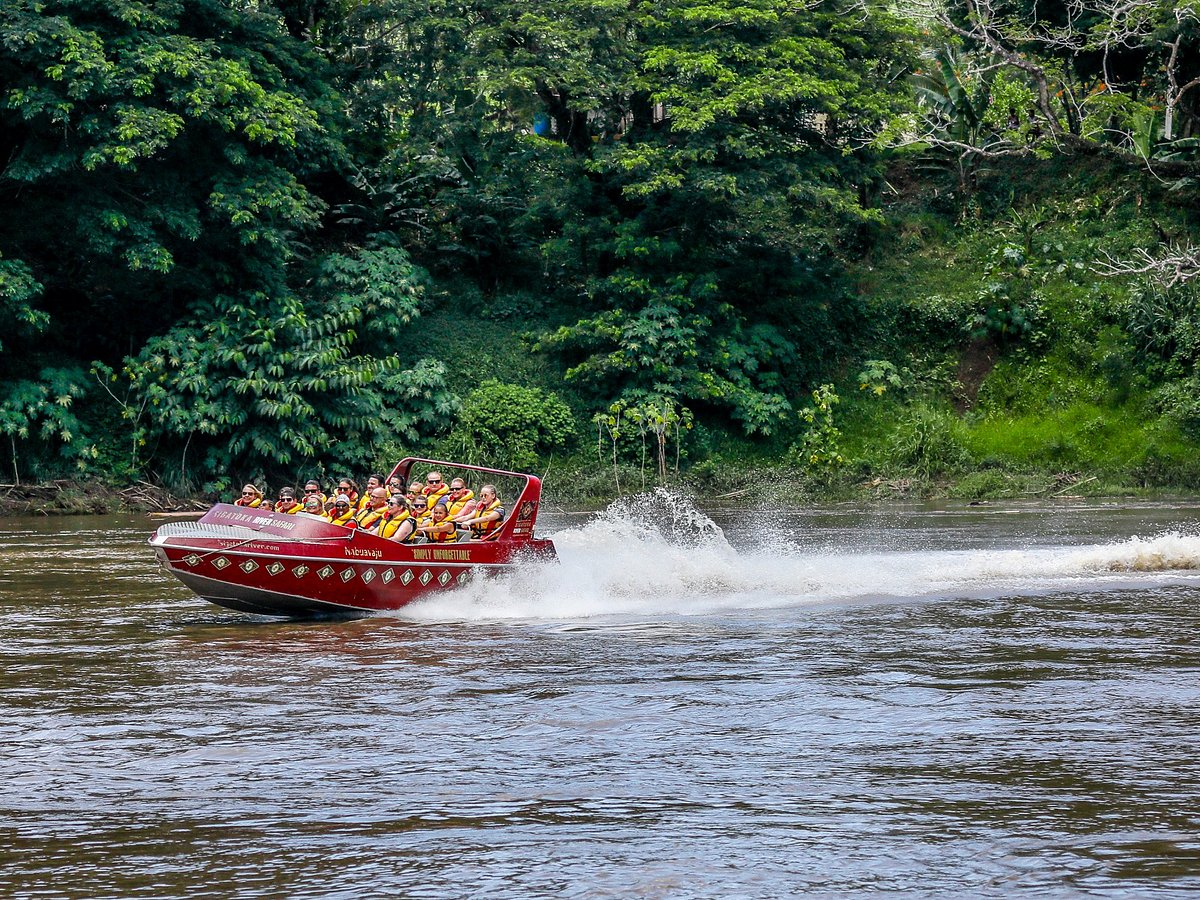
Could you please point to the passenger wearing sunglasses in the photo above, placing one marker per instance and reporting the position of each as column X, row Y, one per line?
column 487, row 516
column 349, row 488
column 287, row 502
column 369, row 518
column 251, row 497
column 420, row 511
column 461, row 499
column 342, row 512
column 435, row 489
column 397, row 523
column 315, row 507
column 313, row 489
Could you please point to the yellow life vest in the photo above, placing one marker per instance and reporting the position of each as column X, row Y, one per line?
column 434, row 497
column 389, row 527
column 291, row 510
column 254, row 505
column 346, row 521
column 368, row 519
column 454, row 507
column 482, row 529
column 441, row 537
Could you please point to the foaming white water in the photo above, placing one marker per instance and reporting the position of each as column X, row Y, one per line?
column 658, row 555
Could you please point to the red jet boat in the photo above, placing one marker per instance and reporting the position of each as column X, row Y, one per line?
column 274, row 564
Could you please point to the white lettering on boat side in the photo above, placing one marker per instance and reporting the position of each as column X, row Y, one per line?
column 243, row 518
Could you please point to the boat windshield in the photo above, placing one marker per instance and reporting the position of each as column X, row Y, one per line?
column 434, row 475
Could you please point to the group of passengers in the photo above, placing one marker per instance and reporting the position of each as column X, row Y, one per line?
column 432, row 511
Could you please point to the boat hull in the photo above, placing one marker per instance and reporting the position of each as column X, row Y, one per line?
column 302, row 567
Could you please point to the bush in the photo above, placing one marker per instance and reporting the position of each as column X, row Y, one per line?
column 508, row 426
column 989, row 484
column 928, row 442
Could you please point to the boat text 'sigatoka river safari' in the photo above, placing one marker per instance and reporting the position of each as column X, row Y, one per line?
column 271, row 563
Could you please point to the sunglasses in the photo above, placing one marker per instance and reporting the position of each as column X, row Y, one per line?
column 247, row 493
column 434, row 481
column 312, row 490
column 341, row 506
column 286, row 497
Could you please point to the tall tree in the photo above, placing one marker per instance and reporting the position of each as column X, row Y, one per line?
column 156, row 157
column 687, row 166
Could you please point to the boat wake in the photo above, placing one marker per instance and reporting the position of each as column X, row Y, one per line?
column 658, row 555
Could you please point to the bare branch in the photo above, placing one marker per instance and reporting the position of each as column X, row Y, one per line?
column 1178, row 264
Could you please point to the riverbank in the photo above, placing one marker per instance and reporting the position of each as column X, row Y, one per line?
column 67, row 497
column 596, row 487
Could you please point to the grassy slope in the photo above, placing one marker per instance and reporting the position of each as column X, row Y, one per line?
column 1071, row 395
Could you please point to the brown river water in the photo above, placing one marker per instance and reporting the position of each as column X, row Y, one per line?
column 905, row 700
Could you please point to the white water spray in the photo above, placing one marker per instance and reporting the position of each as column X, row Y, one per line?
column 656, row 555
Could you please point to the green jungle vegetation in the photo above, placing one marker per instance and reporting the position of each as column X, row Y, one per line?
column 831, row 249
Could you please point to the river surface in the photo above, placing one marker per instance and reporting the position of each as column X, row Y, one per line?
column 904, row 700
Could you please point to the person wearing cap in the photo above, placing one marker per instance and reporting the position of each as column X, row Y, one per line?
column 252, row 497
column 342, row 512
column 287, row 502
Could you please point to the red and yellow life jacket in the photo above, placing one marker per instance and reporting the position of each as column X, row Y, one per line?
column 368, row 519
column 289, row 510
column 485, row 529
column 433, row 496
column 253, row 504
column 441, row 537
column 346, row 521
column 454, row 507
column 391, row 524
